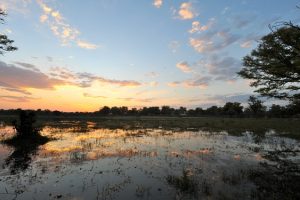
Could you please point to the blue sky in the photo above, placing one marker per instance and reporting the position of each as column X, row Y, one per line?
column 81, row 55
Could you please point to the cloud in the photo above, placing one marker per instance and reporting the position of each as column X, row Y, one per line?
column 158, row 3
column 184, row 67
column 213, row 68
column 43, row 18
column 197, row 28
column 249, row 40
column 85, row 79
column 246, row 44
column 211, row 100
column 152, row 74
column 213, row 41
column 153, row 83
column 17, row 79
column 5, row 86
column 28, row 66
column 186, row 11
column 242, row 20
column 200, row 82
column 225, row 10
column 93, row 96
column 174, row 83
column 221, row 68
column 62, row 73
column 16, row 98
column 20, row 79
column 61, row 29
column 86, row 45
column 144, row 100
column 174, row 46
column 15, row 5
column 49, row 58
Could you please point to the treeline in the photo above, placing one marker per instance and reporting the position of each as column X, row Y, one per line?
column 255, row 108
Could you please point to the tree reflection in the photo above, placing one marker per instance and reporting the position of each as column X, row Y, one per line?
column 21, row 157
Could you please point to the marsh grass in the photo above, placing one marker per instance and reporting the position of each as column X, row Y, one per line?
column 184, row 183
column 289, row 126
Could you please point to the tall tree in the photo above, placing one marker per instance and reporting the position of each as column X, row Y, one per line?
column 274, row 66
column 256, row 106
column 5, row 42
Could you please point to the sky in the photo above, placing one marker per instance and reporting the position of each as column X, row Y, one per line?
column 76, row 55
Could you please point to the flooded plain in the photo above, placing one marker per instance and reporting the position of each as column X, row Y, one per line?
column 88, row 161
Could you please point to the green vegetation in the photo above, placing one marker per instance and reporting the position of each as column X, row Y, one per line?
column 5, row 42
column 184, row 183
column 274, row 64
column 255, row 108
column 26, row 133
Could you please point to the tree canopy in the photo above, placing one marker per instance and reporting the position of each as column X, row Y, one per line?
column 5, row 42
column 274, row 66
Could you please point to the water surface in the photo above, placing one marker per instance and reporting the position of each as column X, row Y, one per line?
column 86, row 161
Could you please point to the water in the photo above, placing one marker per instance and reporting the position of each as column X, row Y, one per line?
column 86, row 161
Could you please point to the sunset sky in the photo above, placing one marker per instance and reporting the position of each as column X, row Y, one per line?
column 77, row 55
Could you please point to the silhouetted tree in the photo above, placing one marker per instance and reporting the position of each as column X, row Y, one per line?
column 25, row 128
column 104, row 111
column 180, row 111
column 274, row 64
column 232, row 109
column 277, row 111
column 115, row 111
column 255, row 107
column 133, row 112
column 167, row 110
column 213, row 110
column 294, row 107
column 5, row 43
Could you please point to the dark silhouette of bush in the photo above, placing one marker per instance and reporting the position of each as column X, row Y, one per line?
column 26, row 133
column 25, row 126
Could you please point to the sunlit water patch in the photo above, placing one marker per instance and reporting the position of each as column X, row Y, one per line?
column 86, row 162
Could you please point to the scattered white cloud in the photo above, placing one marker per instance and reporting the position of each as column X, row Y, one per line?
column 153, row 83
column 225, row 10
column 152, row 74
column 20, row 6
column 43, row 18
column 246, row 44
column 213, row 41
column 174, row 46
column 221, row 68
column 11, row 98
column 174, row 83
column 200, row 82
column 184, row 67
column 61, row 29
column 196, row 82
column 186, row 11
column 197, row 28
column 19, row 79
column 158, row 3
column 93, row 96
column 86, row 45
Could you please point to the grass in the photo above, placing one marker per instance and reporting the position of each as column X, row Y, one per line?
column 290, row 127
column 234, row 126
column 184, row 183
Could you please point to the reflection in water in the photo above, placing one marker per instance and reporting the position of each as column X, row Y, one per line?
column 88, row 162
column 21, row 157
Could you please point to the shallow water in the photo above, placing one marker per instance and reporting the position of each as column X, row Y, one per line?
column 88, row 162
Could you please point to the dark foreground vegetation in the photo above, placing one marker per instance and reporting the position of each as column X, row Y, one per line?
column 26, row 134
column 255, row 108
